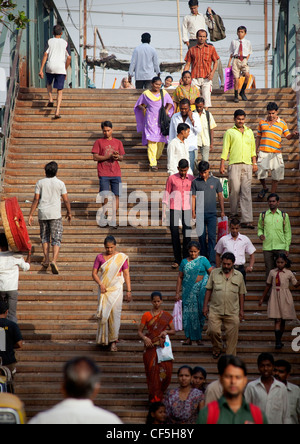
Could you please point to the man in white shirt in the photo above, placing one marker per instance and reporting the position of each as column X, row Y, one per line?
column 282, row 372
column 58, row 61
column 239, row 245
column 80, row 387
column 48, row 194
column 195, row 21
column 208, row 124
column 144, row 64
column 193, row 120
column 268, row 394
column 9, row 276
column 178, row 148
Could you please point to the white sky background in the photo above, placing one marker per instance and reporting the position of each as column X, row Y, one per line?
column 122, row 22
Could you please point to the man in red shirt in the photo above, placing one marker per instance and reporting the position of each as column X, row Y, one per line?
column 108, row 152
column 201, row 58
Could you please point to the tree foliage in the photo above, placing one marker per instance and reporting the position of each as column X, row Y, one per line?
column 9, row 15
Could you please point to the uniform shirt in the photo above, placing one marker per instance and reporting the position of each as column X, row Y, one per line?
column 204, row 135
column 239, row 146
column 275, row 403
column 234, row 49
column 192, row 24
column 294, row 402
column 9, row 270
column 240, row 246
column 276, row 229
column 271, row 135
column 227, row 416
column 225, row 298
column 75, row 411
column 201, row 60
column 192, row 140
column 57, row 56
column 178, row 192
column 144, row 63
column 211, row 188
column 177, row 150
column 50, row 190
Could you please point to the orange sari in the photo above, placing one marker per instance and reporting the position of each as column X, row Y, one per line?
column 158, row 375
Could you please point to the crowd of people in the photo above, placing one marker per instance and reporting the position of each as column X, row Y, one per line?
column 212, row 275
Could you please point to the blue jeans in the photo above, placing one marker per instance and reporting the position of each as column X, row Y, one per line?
column 208, row 246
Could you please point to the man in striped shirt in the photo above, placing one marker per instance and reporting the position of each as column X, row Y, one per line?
column 269, row 149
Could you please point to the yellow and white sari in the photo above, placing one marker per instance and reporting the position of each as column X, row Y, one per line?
column 110, row 303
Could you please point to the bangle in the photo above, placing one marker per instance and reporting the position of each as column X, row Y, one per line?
column 129, row 291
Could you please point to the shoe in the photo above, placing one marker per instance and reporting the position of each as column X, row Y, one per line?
column 50, row 105
column 154, row 169
column 243, row 96
column 236, row 97
column 263, row 192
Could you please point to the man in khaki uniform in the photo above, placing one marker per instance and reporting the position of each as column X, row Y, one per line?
column 225, row 296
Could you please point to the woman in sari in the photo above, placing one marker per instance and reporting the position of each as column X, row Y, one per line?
column 125, row 84
column 192, row 278
column 114, row 271
column 147, row 111
column 186, row 91
column 159, row 324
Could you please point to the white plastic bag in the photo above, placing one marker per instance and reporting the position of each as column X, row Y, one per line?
column 165, row 354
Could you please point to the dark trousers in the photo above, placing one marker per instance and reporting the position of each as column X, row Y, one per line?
column 208, row 246
column 185, row 217
column 241, row 269
column 270, row 260
column 143, row 84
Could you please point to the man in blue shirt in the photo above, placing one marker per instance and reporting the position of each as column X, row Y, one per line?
column 144, row 64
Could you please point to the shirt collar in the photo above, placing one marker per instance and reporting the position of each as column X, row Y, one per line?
column 245, row 128
column 223, row 402
column 238, row 238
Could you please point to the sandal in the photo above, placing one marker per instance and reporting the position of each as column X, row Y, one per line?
column 263, row 192
column 187, row 342
column 216, row 355
column 45, row 265
column 50, row 105
column 175, row 266
column 54, row 268
column 57, row 116
column 113, row 347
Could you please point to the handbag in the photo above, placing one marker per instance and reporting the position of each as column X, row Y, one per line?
column 229, row 79
column 164, row 119
column 165, row 354
column 177, row 316
column 223, row 227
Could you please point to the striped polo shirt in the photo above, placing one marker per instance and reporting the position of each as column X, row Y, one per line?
column 271, row 135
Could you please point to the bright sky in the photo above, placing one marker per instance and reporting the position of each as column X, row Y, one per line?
column 122, row 22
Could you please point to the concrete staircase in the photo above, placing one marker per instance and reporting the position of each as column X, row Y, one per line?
column 56, row 314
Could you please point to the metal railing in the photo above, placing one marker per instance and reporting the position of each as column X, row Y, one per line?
column 8, row 111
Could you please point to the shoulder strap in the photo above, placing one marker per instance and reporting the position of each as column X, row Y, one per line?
column 213, row 413
column 208, row 121
column 256, row 414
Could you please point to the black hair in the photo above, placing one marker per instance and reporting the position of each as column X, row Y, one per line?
column 239, row 112
column 199, row 370
column 153, row 409
column 107, row 124
column 242, row 28
column 285, row 258
column 222, row 363
column 156, row 293
column 235, row 362
column 194, row 244
column 273, row 195
column 186, row 72
column 110, row 240
column 193, row 3
column 57, row 30
column 51, row 169
column 3, row 307
column 156, row 79
column 203, row 166
column 285, row 364
column 81, row 385
column 182, row 127
column 229, row 256
column 183, row 164
column 202, row 30
column 235, row 221
column 199, row 100
column 187, row 367
column 169, row 77
column 272, row 106
column 185, row 102
column 3, row 241
column 146, row 37
column 265, row 357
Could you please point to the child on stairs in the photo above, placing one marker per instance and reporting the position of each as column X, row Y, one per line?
column 280, row 305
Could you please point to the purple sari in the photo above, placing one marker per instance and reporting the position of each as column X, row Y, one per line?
column 148, row 123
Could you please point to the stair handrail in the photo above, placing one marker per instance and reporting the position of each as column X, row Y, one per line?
column 13, row 90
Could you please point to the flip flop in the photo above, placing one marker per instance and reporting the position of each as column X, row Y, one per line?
column 54, row 268
column 57, row 116
column 263, row 192
column 50, row 105
column 45, row 265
